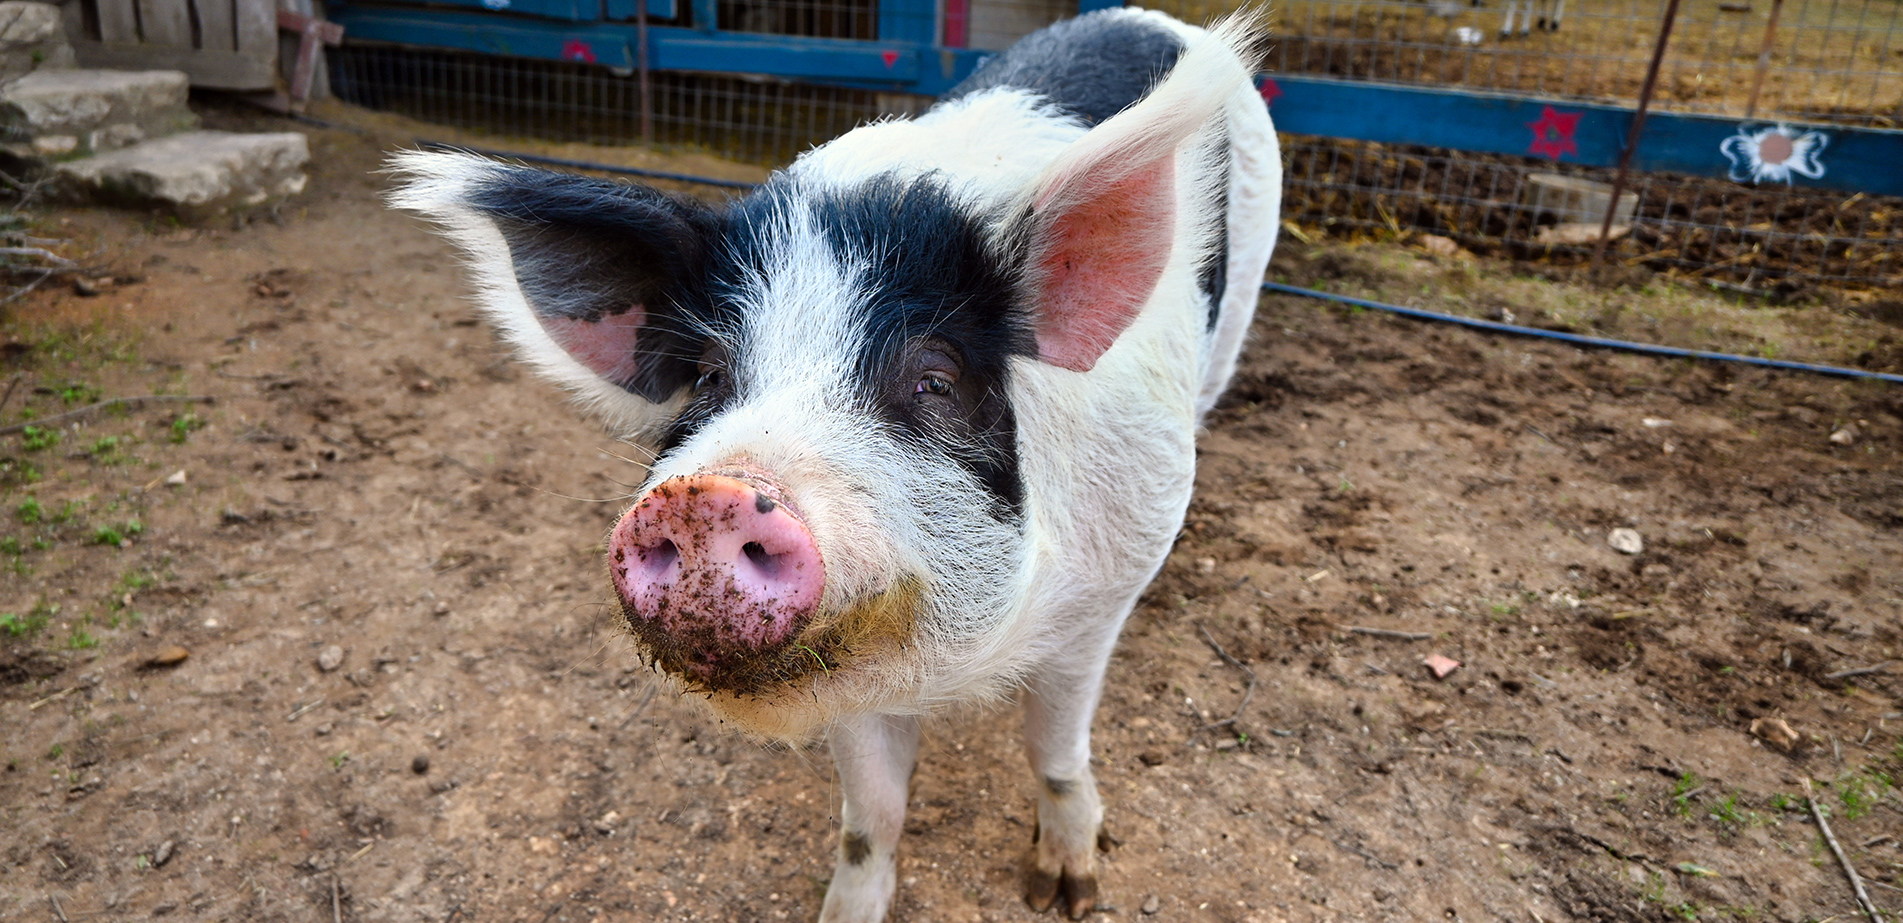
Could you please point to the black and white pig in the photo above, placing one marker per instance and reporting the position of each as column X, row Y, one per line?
column 924, row 404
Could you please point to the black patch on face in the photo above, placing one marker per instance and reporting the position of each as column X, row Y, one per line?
column 1092, row 67
column 942, row 324
column 586, row 248
column 855, row 847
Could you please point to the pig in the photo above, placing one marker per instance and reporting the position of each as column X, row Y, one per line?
column 923, row 406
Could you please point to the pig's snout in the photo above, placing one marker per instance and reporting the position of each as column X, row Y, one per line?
column 717, row 565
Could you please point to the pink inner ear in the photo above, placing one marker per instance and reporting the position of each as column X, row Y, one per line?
column 605, row 346
column 1097, row 259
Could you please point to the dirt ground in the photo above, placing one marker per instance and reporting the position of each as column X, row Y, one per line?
column 374, row 479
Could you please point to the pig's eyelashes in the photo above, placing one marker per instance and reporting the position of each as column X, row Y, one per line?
column 934, row 383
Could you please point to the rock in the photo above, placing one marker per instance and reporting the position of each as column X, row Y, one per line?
column 605, row 825
column 1776, row 732
column 330, row 658
column 170, row 656
column 1845, row 435
column 195, row 174
column 1438, row 245
column 1626, row 541
column 420, row 765
column 163, row 854
column 31, row 38
column 177, row 479
column 1152, row 904
column 1576, row 233
column 52, row 113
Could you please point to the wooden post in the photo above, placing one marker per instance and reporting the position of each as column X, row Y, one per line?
column 1638, row 128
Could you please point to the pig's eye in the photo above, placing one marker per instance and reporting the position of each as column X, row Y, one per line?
column 712, row 372
column 933, row 383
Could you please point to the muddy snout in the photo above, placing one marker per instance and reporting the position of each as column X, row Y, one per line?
column 714, row 565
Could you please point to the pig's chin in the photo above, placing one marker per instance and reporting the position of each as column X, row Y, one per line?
column 781, row 690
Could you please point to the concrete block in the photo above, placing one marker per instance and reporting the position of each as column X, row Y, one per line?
column 99, row 109
column 195, row 174
column 31, row 38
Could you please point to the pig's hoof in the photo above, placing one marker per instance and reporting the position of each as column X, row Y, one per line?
column 1077, row 896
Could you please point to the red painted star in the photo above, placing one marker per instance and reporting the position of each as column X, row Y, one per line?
column 1553, row 133
column 1270, row 92
column 578, row 50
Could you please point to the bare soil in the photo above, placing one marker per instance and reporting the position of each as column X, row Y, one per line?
column 375, row 477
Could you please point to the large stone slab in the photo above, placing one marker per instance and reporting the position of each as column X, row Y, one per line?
column 31, row 38
column 58, row 113
column 194, row 174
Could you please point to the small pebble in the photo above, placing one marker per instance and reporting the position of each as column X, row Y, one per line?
column 1845, row 436
column 442, row 608
column 1625, row 541
column 330, row 658
column 163, row 854
column 420, row 765
column 177, row 479
column 1152, row 904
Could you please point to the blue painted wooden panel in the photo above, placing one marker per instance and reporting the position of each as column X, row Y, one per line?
column 623, row 10
column 571, row 10
column 908, row 21
column 1859, row 159
column 897, row 66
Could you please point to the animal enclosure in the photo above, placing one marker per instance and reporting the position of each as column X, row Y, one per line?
column 761, row 82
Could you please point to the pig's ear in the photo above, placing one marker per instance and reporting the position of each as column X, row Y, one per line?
column 573, row 270
column 1101, row 222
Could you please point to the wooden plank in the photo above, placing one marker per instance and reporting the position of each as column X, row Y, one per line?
column 217, row 25
column 218, row 70
column 256, row 24
column 165, row 22
column 1853, row 159
column 119, row 21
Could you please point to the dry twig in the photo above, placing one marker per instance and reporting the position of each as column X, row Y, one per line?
column 1247, row 693
column 1856, row 883
column 90, row 409
column 1860, row 671
column 1388, row 633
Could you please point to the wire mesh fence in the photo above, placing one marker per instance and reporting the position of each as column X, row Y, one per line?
column 1825, row 60
column 763, row 121
column 1822, row 60
column 1703, row 228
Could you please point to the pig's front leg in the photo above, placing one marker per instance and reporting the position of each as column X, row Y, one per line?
column 1058, row 705
column 874, row 755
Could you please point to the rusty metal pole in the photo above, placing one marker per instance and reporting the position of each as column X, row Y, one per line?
column 1638, row 128
column 647, row 95
column 1764, row 59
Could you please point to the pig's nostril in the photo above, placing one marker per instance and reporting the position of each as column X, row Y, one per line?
column 659, row 557
column 756, row 553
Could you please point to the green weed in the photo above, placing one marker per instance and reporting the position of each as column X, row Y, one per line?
column 109, row 450
column 183, row 426
column 81, row 639
column 38, row 438
column 1682, row 793
column 29, row 512
column 79, row 392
